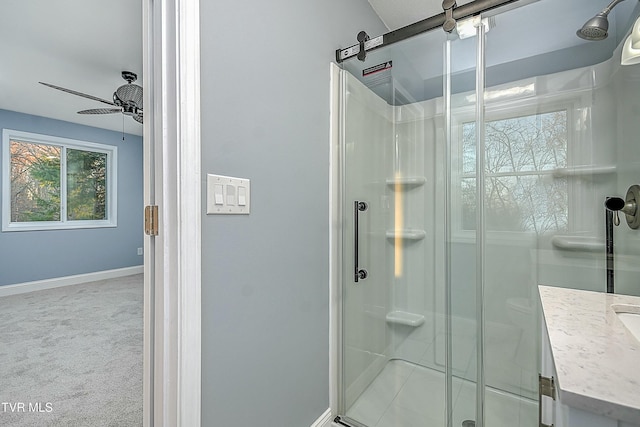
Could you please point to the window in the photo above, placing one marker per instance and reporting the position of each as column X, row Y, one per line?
column 56, row 183
column 522, row 153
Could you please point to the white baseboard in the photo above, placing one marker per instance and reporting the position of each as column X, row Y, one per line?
column 324, row 420
column 57, row 282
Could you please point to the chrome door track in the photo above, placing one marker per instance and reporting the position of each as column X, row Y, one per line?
column 342, row 422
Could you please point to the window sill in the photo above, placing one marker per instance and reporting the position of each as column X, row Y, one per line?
column 70, row 225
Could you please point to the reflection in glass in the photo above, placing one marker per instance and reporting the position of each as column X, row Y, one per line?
column 521, row 155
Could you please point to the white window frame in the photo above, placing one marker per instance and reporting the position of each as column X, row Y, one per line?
column 496, row 110
column 64, row 143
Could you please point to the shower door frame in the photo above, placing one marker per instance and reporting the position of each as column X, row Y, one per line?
column 465, row 11
column 335, row 246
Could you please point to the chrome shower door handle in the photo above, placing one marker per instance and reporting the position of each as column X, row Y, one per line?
column 360, row 273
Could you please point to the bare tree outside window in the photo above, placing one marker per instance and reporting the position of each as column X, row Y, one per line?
column 521, row 193
column 35, row 182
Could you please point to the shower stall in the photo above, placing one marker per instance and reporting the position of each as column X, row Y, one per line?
column 469, row 167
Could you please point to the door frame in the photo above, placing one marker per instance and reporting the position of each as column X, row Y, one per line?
column 335, row 242
column 172, row 320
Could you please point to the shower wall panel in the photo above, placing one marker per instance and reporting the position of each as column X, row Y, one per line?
column 418, row 131
column 516, row 261
column 626, row 92
column 596, row 165
column 407, row 234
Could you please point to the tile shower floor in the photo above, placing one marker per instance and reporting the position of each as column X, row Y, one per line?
column 408, row 395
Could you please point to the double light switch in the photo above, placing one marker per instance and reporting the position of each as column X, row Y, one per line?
column 227, row 195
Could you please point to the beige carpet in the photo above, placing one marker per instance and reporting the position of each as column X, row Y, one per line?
column 72, row 356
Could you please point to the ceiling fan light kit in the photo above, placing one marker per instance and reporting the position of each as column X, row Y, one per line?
column 127, row 98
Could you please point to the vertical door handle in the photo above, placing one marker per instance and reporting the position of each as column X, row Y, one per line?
column 360, row 273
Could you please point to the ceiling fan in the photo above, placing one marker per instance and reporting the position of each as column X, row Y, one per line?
column 127, row 98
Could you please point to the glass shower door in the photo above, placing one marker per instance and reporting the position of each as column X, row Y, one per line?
column 393, row 300
column 364, row 263
column 493, row 138
column 412, row 325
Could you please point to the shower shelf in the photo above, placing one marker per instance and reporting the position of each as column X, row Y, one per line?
column 404, row 318
column 578, row 243
column 406, row 234
column 583, row 171
column 407, row 181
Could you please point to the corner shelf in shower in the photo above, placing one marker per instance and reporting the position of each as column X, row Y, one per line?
column 578, row 243
column 405, row 318
column 406, row 234
column 583, row 171
column 407, row 182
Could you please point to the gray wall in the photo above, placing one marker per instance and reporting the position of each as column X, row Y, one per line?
column 265, row 288
column 36, row 255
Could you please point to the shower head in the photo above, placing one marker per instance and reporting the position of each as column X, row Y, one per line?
column 597, row 27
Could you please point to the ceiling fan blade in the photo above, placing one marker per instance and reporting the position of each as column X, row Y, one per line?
column 138, row 118
column 101, row 111
column 84, row 95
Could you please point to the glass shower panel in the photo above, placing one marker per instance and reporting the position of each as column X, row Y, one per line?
column 601, row 161
column 525, row 142
column 540, row 192
column 392, row 368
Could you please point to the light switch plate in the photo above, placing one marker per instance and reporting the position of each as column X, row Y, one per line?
column 230, row 198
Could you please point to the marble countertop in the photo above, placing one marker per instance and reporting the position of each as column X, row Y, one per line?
column 597, row 359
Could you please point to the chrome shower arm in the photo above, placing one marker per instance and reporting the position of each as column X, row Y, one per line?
column 608, row 9
column 597, row 27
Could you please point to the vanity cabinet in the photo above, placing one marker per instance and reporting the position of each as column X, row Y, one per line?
column 588, row 393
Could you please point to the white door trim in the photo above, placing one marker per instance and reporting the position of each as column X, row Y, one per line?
column 172, row 373
column 189, row 220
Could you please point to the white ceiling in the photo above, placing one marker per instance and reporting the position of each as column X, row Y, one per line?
column 78, row 44
column 85, row 44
